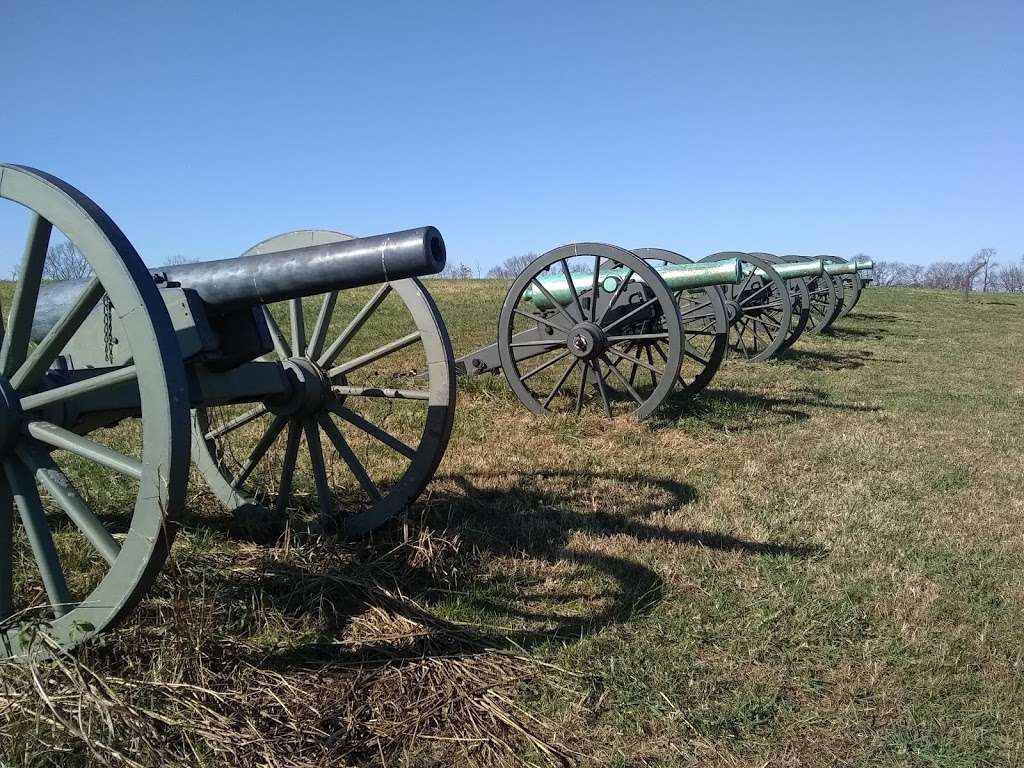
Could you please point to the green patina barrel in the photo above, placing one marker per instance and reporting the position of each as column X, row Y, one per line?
column 848, row 267
column 676, row 276
column 791, row 270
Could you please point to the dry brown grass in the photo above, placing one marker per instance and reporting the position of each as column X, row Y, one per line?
column 816, row 563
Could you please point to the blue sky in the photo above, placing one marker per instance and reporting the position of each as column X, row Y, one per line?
column 894, row 129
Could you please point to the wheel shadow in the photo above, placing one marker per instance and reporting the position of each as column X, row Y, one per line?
column 569, row 571
column 735, row 410
column 883, row 316
column 826, row 361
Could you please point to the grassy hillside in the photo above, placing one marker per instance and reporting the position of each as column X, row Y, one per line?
column 817, row 562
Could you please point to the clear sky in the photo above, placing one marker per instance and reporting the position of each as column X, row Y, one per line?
column 892, row 128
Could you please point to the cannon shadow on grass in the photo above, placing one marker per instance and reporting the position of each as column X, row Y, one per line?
column 517, row 516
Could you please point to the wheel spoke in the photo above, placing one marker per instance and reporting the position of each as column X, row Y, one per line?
column 572, row 288
column 26, row 293
column 537, row 318
column 30, row 507
column 745, row 300
column 323, row 322
column 593, row 288
column 236, row 422
column 738, row 290
column 58, row 437
column 291, row 455
column 583, row 386
column 691, row 311
column 547, row 294
column 561, row 381
column 615, row 296
column 767, row 320
column 777, row 304
column 6, row 549
column 637, row 361
column 630, row 314
column 539, row 343
column 650, row 361
column 602, row 388
column 259, row 450
column 353, row 327
column 57, row 337
column 377, row 354
column 316, row 458
column 280, row 345
column 360, row 421
column 60, row 489
column 688, row 351
column 298, row 322
column 77, row 389
column 637, row 337
column 626, row 384
column 741, row 340
column 543, row 366
column 350, row 458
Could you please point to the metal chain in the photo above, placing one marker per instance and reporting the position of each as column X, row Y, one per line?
column 108, row 330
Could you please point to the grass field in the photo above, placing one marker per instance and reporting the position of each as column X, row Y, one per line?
column 817, row 562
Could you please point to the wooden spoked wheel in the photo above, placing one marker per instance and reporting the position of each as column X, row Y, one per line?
column 569, row 329
column 78, row 556
column 800, row 301
column 852, row 286
column 705, row 327
column 759, row 308
column 362, row 436
column 824, row 300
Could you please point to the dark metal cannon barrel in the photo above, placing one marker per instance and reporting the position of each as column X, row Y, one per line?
column 270, row 277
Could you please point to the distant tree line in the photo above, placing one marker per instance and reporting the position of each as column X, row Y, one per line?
column 979, row 273
column 65, row 262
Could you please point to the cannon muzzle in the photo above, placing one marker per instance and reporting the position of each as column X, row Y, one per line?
column 840, row 268
column 264, row 278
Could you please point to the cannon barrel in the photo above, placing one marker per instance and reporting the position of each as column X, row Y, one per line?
column 677, row 276
column 792, row 270
column 849, row 267
column 261, row 279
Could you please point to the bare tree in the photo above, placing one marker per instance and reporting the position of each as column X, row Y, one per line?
column 511, row 266
column 65, row 262
column 458, row 271
column 981, row 262
column 1010, row 277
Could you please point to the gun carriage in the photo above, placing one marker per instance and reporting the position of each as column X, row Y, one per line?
column 109, row 384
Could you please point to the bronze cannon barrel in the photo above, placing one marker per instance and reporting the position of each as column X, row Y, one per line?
column 269, row 277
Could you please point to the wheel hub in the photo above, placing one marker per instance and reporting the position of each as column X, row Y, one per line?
column 587, row 341
column 311, row 389
column 733, row 311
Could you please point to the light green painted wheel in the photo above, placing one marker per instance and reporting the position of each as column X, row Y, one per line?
column 88, row 548
column 365, row 437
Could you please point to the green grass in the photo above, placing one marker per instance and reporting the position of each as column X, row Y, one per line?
column 817, row 562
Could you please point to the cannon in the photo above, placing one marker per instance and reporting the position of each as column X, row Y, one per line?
column 850, row 279
column 607, row 328
column 110, row 384
column 598, row 324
